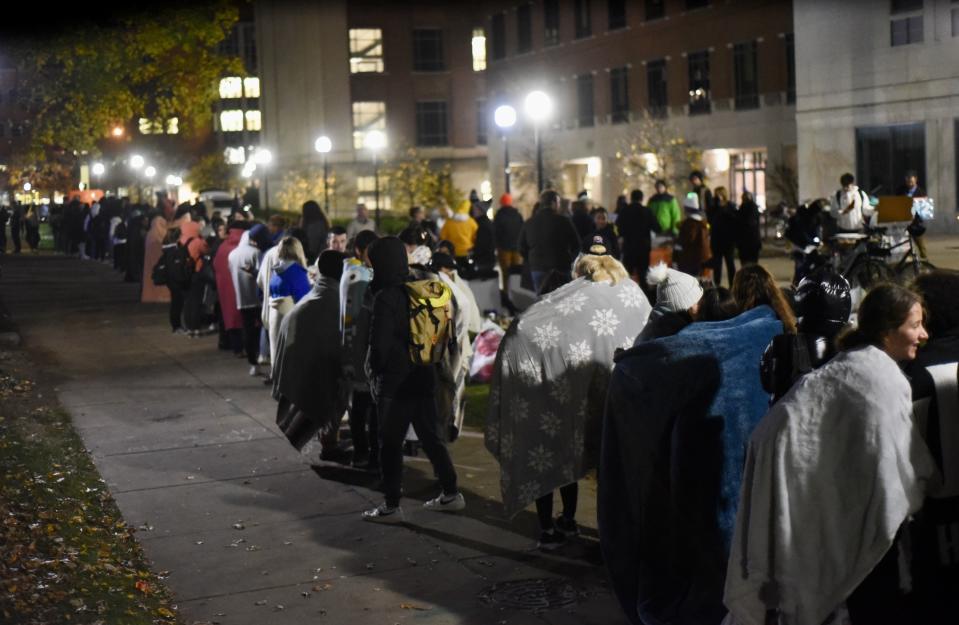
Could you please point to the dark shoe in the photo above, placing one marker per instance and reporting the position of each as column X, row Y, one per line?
column 567, row 526
column 549, row 541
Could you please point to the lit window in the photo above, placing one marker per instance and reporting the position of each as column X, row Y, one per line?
column 365, row 184
column 251, row 87
column 231, row 121
column 366, row 50
column 235, row 156
column 173, row 126
column 146, row 126
column 150, row 127
column 253, row 120
column 367, row 116
column 479, row 50
column 231, row 87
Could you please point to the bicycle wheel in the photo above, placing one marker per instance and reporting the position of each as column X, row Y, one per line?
column 908, row 272
column 868, row 272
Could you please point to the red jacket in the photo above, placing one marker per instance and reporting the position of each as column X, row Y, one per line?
column 232, row 320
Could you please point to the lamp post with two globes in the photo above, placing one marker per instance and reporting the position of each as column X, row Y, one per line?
column 538, row 107
column 375, row 141
column 323, row 145
column 505, row 118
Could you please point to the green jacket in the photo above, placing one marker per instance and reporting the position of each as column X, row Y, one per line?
column 666, row 210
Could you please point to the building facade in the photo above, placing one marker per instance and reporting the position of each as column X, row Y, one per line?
column 718, row 72
column 343, row 69
column 882, row 102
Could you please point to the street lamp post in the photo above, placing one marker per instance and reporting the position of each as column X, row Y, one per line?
column 264, row 157
column 136, row 163
column 375, row 141
column 97, row 169
column 505, row 117
column 538, row 108
column 323, row 145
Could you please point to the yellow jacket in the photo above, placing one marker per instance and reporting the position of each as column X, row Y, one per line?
column 460, row 230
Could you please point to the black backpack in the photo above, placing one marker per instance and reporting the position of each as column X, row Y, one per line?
column 175, row 266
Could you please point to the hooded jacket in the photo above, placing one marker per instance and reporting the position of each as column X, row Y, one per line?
column 153, row 250
column 549, row 241
column 196, row 246
column 225, row 290
column 391, row 371
column 244, row 265
column 507, row 224
column 460, row 230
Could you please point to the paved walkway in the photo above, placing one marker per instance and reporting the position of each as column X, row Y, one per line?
column 249, row 532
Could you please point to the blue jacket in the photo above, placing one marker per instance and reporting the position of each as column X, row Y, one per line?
column 292, row 281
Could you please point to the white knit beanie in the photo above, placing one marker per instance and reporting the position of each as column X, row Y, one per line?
column 692, row 201
column 675, row 291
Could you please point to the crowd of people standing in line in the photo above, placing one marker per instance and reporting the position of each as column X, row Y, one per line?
column 655, row 376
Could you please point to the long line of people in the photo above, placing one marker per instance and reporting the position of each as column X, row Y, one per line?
column 758, row 458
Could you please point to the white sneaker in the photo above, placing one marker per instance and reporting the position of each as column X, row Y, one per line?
column 254, row 371
column 384, row 514
column 446, row 503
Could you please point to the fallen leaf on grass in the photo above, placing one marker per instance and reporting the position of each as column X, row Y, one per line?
column 410, row 606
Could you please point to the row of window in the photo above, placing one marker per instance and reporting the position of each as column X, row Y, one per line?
column 616, row 18
column 906, row 25
column 151, row 127
column 745, row 71
column 232, row 87
column 432, row 117
column 366, row 50
column 233, row 120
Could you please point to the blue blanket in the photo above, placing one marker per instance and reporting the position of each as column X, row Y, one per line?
column 678, row 418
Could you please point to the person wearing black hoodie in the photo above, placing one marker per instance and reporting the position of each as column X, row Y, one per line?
column 548, row 241
column 403, row 391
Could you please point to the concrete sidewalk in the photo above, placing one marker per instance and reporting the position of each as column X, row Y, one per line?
column 249, row 531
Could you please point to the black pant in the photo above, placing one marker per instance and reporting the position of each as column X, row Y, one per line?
column 15, row 237
column 177, row 297
column 3, row 238
column 251, row 333
column 544, row 505
column 395, row 416
column 748, row 257
column 721, row 254
column 363, row 415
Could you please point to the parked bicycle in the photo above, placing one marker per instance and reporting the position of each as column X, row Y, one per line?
column 910, row 266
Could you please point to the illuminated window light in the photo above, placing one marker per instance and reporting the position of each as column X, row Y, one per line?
column 231, row 87
column 479, row 50
column 231, row 121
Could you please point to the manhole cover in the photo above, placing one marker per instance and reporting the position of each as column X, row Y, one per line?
column 533, row 595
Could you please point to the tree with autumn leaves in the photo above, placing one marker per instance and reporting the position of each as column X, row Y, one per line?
column 77, row 87
column 414, row 180
column 656, row 150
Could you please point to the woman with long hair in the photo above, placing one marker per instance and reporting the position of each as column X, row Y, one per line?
column 841, row 456
column 754, row 286
column 288, row 285
column 317, row 226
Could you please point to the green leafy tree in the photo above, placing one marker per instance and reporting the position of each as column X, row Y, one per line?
column 656, row 150
column 211, row 171
column 158, row 65
column 415, row 181
column 301, row 185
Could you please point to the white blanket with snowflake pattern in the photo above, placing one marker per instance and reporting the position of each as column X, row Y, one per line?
column 549, row 385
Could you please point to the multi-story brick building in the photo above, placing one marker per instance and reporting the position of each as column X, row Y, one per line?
column 720, row 71
column 341, row 69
